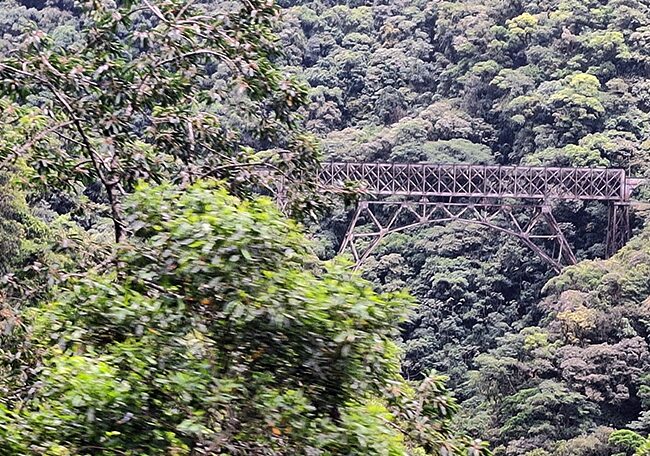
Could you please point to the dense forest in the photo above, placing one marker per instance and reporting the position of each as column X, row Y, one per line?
column 154, row 302
column 541, row 367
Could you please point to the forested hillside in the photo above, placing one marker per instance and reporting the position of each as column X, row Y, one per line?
column 152, row 303
column 562, row 83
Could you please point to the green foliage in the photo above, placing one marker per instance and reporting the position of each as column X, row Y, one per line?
column 559, row 82
column 550, row 83
column 221, row 334
column 158, row 90
column 630, row 442
column 468, row 282
column 569, row 155
column 585, row 367
column 542, row 75
column 38, row 249
column 548, row 407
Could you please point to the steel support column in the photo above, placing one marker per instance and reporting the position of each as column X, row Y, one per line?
column 618, row 227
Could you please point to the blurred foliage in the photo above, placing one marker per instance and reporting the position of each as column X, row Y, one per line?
column 222, row 334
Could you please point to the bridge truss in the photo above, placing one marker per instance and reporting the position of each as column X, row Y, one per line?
column 514, row 200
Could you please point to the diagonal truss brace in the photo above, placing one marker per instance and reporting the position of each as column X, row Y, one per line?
column 534, row 225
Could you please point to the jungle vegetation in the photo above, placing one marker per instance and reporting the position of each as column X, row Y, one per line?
column 155, row 301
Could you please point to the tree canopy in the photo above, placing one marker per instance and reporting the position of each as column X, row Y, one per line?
column 221, row 334
column 153, row 303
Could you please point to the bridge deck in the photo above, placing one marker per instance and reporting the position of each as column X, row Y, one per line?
column 522, row 182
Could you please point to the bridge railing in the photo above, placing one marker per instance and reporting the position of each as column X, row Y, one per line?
column 425, row 179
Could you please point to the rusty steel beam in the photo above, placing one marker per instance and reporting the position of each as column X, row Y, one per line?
column 534, row 225
column 521, row 182
column 462, row 185
column 618, row 227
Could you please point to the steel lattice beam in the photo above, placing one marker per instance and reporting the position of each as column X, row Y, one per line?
column 459, row 185
column 428, row 180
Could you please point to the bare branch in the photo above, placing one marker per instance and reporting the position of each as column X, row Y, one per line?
column 184, row 9
column 154, row 9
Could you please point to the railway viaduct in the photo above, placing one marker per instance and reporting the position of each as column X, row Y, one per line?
column 517, row 200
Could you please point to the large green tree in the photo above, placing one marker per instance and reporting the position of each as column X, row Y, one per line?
column 159, row 90
column 223, row 335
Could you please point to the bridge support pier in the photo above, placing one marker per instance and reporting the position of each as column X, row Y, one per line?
column 618, row 227
column 534, row 225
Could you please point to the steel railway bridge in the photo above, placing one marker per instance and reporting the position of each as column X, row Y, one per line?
column 515, row 200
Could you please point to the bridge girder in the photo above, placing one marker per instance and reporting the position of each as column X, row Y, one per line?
column 477, row 181
column 462, row 184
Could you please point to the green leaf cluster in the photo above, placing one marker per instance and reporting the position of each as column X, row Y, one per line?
column 220, row 334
